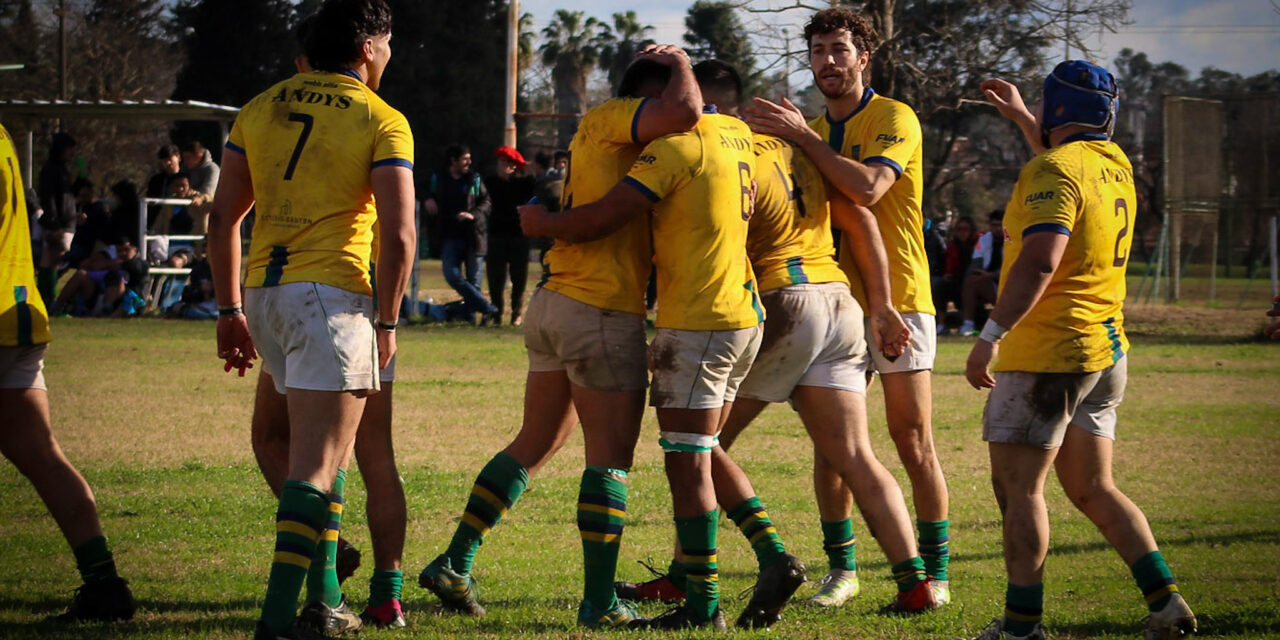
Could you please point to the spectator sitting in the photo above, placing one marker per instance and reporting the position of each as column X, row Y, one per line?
column 983, row 281
column 93, row 226
column 203, row 176
column 198, row 299
column 175, row 219
column 109, row 283
column 955, row 265
column 170, row 160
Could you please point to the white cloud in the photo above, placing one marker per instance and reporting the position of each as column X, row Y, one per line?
column 1246, row 51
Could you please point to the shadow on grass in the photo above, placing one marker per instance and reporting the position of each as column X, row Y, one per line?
column 1240, row 623
column 155, row 628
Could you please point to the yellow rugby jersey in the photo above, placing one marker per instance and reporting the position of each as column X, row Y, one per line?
column 1083, row 188
column 311, row 142
column 610, row 272
column 789, row 239
column 700, row 183
column 884, row 131
column 23, row 319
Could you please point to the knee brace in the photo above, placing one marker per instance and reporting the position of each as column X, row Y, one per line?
column 679, row 442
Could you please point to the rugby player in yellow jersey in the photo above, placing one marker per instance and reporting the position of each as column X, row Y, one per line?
column 314, row 152
column 584, row 331
column 1060, row 373
column 700, row 188
column 27, row 437
column 868, row 148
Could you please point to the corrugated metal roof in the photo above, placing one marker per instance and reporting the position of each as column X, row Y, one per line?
column 118, row 109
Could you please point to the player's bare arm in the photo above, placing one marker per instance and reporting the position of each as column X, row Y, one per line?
column 680, row 105
column 865, row 184
column 235, row 197
column 889, row 331
column 397, row 237
column 587, row 222
column 1025, row 282
column 1006, row 98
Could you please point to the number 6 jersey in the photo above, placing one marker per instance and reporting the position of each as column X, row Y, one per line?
column 311, row 142
column 1082, row 188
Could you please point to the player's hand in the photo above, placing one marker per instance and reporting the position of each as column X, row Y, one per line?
column 782, row 120
column 534, row 219
column 235, row 346
column 1004, row 96
column 889, row 332
column 977, row 370
column 386, row 348
column 465, row 215
column 666, row 54
column 429, row 205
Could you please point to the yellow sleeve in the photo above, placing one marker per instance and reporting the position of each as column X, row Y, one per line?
column 664, row 165
column 393, row 145
column 616, row 121
column 1050, row 200
column 893, row 138
column 235, row 141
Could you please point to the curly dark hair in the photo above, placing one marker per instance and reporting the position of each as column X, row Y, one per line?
column 339, row 30
column 861, row 31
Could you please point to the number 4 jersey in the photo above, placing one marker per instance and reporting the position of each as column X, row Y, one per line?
column 311, row 142
column 1083, row 189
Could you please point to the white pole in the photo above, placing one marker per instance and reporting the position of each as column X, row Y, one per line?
column 1275, row 263
column 513, row 72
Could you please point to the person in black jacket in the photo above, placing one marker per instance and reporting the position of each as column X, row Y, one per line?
column 456, row 196
column 508, row 248
column 58, row 222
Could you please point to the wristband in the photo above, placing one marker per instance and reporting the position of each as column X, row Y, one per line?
column 233, row 310
column 386, row 326
column 992, row 332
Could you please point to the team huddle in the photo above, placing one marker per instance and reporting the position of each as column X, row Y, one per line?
column 790, row 266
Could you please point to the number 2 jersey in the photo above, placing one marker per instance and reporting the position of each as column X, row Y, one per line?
column 1083, row 189
column 311, row 142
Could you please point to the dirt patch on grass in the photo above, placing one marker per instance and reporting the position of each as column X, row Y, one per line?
column 1166, row 320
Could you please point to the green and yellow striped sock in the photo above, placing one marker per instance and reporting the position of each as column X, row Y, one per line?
column 840, row 544
column 697, row 536
column 934, row 547
column 496, row 490
column 303, row 511
column 384, row 585
column 1023, row 606
column 94, row 560
column 1155, row 579
column 322, row 577
column 753, row 522
column 908, row 572
column 602, row 513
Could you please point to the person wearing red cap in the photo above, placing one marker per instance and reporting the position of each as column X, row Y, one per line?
column 508, row 248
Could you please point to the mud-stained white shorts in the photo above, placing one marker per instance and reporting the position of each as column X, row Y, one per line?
column 22, row 367
column 700, row 369
column 1036, row 408
column 598, row 349
column 919, row 355
column 813, row 336
column 313, row 336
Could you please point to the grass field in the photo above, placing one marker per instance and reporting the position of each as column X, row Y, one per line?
column 143, row 409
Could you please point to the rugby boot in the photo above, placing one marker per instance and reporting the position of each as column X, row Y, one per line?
column 941, row 591
column 335, row 621
column 918, row 600
column 995, row 631
column 457, row 591
column 1175, row 620
column 103, row 601
column 622, row 614
column 836, row 587
column 388, row 615
column 347, row 560
column 293, row 633
column 684, row 618
column 660, row 588
column 774, row 587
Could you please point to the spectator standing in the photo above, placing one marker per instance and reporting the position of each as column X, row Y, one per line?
column 203, row 174
column 984, row 272
column 508, row 253
column 169, row 159
column 93, row 223
column 124, row 215
column 456, row 196
column 960, row 246
column 58, row 222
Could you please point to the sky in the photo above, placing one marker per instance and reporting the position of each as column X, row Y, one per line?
column 1241, row 36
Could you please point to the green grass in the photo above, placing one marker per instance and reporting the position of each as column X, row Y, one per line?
column 144, row 410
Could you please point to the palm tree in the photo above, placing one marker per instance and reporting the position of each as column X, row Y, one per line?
column 571, row 47
column 629, row 38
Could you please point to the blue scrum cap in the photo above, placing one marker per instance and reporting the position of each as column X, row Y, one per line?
column 1079, row 92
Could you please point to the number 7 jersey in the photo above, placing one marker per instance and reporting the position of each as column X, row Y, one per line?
column 311, row 142
column 1083, row 189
